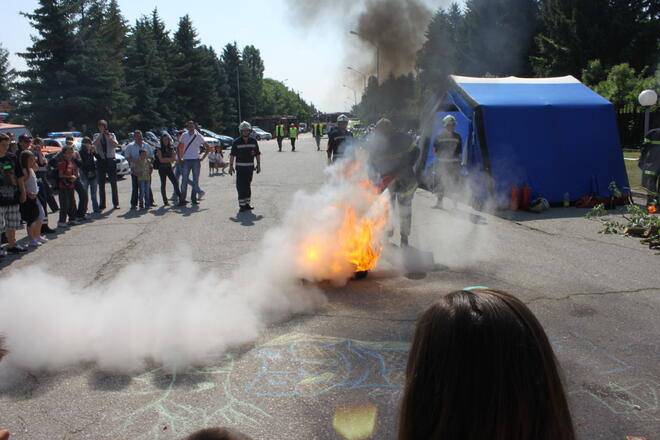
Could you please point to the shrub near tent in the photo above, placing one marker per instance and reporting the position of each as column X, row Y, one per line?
column 554, row 134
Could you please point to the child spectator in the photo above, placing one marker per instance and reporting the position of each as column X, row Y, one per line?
column 67, row 173
column 217, row 434
column 217, row 161
column 12, row 193
column 481, row 367
column 212, row 161
column 142, row 170
column 32, row 211
column 45, row 191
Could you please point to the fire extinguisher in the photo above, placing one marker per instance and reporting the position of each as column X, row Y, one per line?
column 515, row 198
column 526, row 197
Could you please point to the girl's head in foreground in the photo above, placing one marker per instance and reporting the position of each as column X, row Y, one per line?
column 481, row 367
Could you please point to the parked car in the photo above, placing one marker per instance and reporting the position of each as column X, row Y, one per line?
column 224, row 141
column 14, row 129
column 260, row 134
column 123, row 169
column 302, row 127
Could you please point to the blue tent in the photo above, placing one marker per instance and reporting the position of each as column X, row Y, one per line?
column 554, row 134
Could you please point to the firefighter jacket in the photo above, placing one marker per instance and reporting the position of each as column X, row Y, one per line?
column 396, row 158
column 649, row 159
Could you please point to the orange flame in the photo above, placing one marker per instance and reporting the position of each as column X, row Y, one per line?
column 355, row 245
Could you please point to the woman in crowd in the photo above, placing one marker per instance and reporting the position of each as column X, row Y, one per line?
column 166, row 156
column 481, row 367
column 88, row 171
column 32, row 212
column 67, row 173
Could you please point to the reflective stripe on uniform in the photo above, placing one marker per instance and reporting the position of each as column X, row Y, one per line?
column 649, row 141
column 246, row 146
column 244, row 164
column 650, row 173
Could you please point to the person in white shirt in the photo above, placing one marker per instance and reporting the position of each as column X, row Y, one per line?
column 132, row 155
column 190, row 144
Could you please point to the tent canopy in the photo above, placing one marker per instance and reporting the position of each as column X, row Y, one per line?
column 554, row 134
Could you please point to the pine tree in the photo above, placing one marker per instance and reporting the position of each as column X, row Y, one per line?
column 144, row 78
column 231, row 60
column 251, row 88
column 7, row 77
column 495, row 37
column 167, row 102
column 49, row 81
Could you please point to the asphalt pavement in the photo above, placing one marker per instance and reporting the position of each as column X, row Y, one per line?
column 336, row 372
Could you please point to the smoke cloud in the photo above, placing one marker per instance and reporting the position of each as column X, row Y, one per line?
column 395, row 27
column 170, row 311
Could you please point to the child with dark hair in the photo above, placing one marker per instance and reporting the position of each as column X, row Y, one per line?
column 217, row 434
column 32, row 212
column 481, row 367
column 142, row 169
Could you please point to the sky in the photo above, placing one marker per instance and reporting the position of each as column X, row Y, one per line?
column 308, row 55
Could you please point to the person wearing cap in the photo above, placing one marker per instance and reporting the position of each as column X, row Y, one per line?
column 649, row 163
column 279, row 134
column 293, row 136
column 447, row 147
column 244, row 151
column 393, row 158
column 105, row 143
column 338, row 139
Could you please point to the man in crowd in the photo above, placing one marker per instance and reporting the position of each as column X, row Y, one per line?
column 279, row 134
column 12, row 194
column 190, row 145
column 293, row 135
column 105, row 143
column 448, row 149
column 317, row 132
column 337, row 139
column 244, row 151
column 132, row 155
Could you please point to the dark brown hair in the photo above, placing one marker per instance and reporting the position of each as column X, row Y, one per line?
column 4, row 137
column 481, row 366
column 24, row 157
column 217, row 434
column 103, row 122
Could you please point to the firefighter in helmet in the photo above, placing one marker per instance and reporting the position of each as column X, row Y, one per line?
column 338, row 139
column 393, row 158
column 649, row 162
column 244, row 151
column 447, row 146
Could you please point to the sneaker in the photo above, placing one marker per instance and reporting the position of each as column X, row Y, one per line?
column 45, row 229
column 34, row 243
column 62, row 225
column 17, row 249
column 183, row 203
column 42, row 239
column 201, row 194
column 73, row 223
column 133, row 208
column 98, row 210
column 116, row 206
column 195, row 202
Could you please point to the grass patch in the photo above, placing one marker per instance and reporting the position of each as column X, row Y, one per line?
column 634, row 173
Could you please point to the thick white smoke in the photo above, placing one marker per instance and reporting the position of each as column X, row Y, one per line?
column 170, row 311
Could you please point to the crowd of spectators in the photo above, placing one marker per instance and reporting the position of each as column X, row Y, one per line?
column 29, row 179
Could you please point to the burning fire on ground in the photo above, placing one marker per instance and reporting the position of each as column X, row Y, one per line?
column 352, row 243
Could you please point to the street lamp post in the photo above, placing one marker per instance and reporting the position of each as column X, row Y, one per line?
column 364, row 77
column 648, row 98
column 354, row 94
column 377, row 54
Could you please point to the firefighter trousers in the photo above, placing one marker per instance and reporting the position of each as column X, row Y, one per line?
column 243, row 184
column 404, row 202
column 650, row 182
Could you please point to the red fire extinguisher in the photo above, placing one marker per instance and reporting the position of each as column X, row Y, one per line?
column 515, row 198
column 526, row 197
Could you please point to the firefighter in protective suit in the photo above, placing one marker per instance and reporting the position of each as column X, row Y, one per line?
column 649, row 162
column 244, row 152
column 393, row 158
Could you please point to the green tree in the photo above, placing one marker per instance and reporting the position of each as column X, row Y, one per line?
column 48, row 82
column 231, row 61
column 253, row 66
column 7, row 77
column 495, row 36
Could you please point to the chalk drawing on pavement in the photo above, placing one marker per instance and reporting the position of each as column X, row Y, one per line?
column 303, row 365
column 638, row 398
column 584, row 352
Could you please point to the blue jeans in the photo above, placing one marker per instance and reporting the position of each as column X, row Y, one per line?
column 143, row 192
column 195, row 166
column 91, row 186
